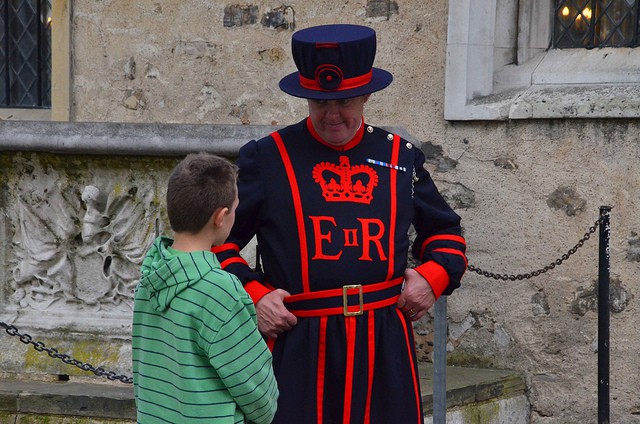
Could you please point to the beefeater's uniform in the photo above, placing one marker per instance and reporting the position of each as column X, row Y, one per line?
column 331, row 224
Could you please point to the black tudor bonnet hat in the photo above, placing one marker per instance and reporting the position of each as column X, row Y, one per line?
column 334, row 62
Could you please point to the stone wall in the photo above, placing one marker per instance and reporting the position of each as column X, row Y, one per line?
column 80, row 203
column 527, row 190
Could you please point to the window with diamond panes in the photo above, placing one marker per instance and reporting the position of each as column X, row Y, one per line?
column 25, row 53
column 596, row 23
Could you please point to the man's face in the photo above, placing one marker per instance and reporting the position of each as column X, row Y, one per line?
column 337, row 121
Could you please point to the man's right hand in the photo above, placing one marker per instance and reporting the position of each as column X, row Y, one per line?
column 273, row 317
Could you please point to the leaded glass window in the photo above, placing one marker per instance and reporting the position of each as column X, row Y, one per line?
column 25, row 53
column 596, row 23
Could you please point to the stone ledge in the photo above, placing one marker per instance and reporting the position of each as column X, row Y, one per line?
column 129, row 139
column 104, row 402
column 471, row 385
column 94, row 400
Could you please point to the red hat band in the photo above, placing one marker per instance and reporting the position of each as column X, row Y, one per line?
column 330, row 78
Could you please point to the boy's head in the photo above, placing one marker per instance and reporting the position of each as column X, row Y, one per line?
column 198, row 186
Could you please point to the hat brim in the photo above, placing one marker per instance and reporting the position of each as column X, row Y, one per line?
column 379, row 80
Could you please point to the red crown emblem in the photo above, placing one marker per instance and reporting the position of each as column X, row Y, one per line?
column 345, row 183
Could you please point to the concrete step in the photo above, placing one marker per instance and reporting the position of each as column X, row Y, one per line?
column 478, row 396
column 66, row 402
column 474, row 396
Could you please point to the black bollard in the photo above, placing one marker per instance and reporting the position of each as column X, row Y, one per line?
column 603, row 315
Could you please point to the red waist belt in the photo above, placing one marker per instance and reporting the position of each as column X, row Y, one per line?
column 349, row 300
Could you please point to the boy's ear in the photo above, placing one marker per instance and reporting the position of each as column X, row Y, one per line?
column 218, row 216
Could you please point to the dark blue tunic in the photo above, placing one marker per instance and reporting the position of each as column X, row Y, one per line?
column 325, row 218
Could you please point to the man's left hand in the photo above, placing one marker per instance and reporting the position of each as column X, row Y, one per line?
column 417, row 297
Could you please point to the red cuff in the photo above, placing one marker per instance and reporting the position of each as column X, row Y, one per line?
column 256, row 290
column 435, row 275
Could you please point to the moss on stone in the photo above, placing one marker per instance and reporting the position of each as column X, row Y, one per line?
column 484, row 413
column 96, row 352
column 462, row 359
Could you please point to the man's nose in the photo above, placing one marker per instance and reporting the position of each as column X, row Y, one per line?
column 333, row 109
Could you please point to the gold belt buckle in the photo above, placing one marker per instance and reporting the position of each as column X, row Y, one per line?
column 345, row 304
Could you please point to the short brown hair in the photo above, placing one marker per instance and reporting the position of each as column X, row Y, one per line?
column 199, row 184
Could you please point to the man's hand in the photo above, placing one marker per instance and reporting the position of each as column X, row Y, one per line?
column 273, row 317
column 417, row 297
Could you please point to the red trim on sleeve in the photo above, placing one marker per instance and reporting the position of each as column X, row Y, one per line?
column 225, row 246
column 436, row 276
column 448, row 237
column 256, row 291
column 236, row 260
column 452, row 252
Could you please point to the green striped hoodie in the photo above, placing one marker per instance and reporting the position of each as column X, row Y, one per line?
column 197, row 352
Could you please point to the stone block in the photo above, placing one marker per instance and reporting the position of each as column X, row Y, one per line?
column 381, row 8
column 239, row 15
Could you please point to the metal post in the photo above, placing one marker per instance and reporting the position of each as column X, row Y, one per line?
column 603, row 315
column 440, row 362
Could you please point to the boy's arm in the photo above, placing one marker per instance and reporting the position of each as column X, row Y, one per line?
column 243, row 362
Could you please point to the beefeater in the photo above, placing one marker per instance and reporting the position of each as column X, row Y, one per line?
column 331, row 200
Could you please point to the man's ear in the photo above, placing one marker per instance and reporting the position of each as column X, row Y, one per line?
column 218, row 216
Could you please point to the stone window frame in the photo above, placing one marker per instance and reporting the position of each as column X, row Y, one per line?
column 60, row 71
column 499, row 66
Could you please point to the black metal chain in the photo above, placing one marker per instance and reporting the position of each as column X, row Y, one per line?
column 549, row 267
column 53, row 352
column 101, row 372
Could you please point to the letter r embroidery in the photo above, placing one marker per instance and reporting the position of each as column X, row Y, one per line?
column 368, row 237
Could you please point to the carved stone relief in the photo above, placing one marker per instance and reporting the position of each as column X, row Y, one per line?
column 79, row 237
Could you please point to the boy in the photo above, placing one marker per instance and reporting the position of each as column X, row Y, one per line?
column 197, row 352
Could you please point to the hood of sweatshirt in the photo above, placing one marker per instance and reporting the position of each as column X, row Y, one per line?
column 166, row 274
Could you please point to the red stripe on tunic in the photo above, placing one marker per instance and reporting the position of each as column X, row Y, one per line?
column 447, row 237
column 322, row 358
column 236, row 260
column 451, row 252
column 372, row 360
column 393, row 205
column 297, row 203
column 350, row 323
column 225, row 246
column 413, row 366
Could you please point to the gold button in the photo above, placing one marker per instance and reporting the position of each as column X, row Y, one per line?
column 409, row 145
column 389, row 137
column 369, row 129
